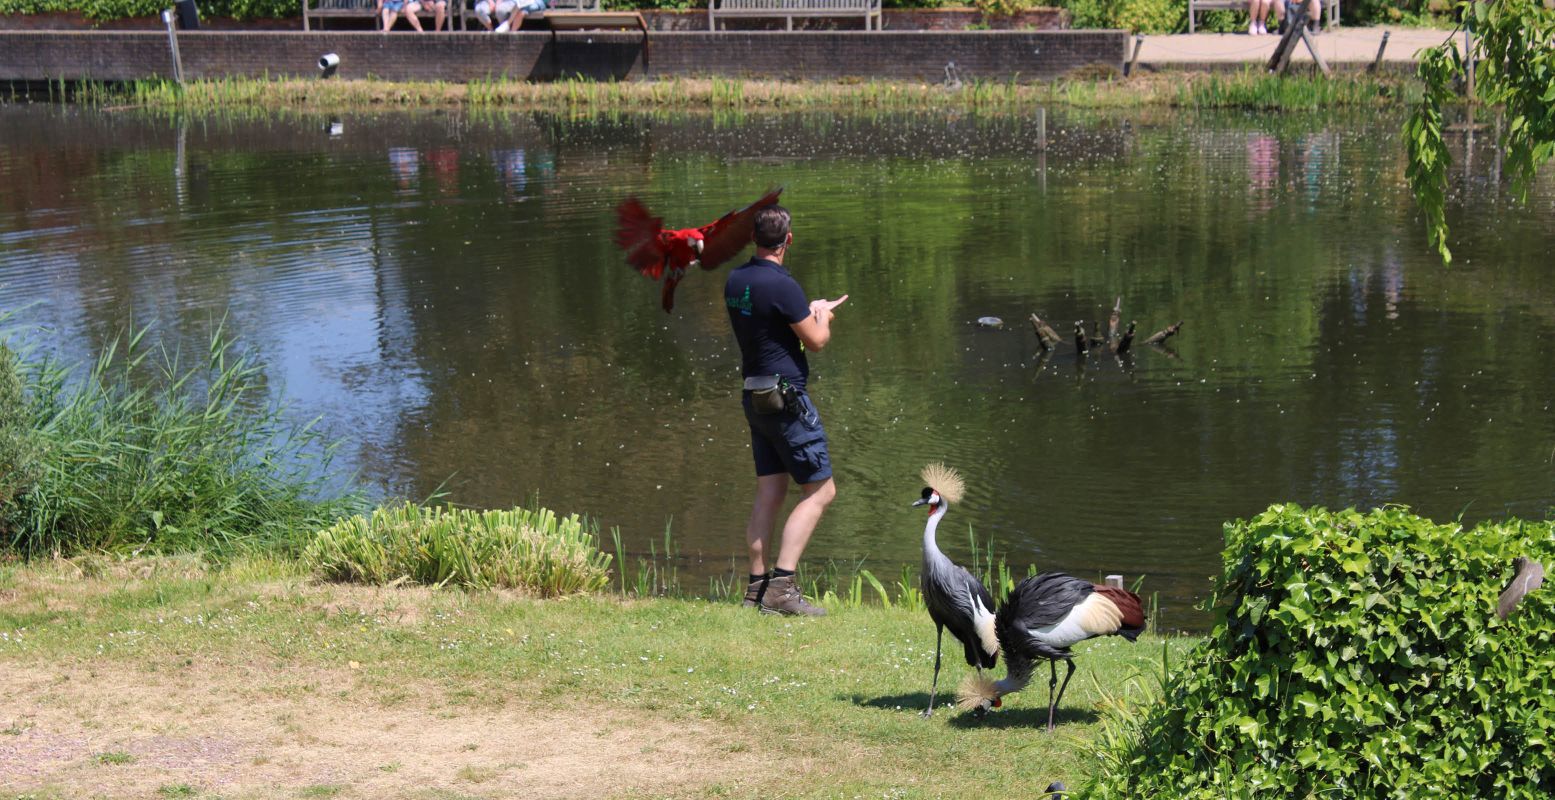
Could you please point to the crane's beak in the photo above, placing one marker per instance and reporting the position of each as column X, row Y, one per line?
column 920, row 501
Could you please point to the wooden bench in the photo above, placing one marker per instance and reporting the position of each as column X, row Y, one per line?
column 596, row 20
column 553, row 7
column 320, row 10
column 1196, row 7
column 788, row 9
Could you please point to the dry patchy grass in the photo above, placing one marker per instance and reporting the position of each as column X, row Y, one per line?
column 221, row 731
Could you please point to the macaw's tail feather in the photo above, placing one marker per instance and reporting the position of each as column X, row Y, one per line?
column 637, row 232
column 667, row 297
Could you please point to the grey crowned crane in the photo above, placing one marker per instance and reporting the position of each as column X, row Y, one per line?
column 1043, row 617
column 955, row 599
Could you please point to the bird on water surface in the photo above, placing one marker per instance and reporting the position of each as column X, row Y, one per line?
column 955, row 599
column 1043, row 617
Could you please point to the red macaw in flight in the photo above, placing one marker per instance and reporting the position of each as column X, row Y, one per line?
column 660, row 253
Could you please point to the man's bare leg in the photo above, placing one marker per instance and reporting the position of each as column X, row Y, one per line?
column 802, row 521
column 770, row 491
column 782, row 594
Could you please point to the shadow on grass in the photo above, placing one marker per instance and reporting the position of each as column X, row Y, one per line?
column 1025, row 717
column 1022, row 717
column 912, row 701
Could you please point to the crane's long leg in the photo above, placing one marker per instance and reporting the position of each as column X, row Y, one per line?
column 1067, row 676
column 1052, row 700
column 939, row 636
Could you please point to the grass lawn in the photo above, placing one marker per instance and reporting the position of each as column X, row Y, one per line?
column 163, row 679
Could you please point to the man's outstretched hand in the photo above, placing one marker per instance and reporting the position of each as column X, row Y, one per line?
column 823, row 306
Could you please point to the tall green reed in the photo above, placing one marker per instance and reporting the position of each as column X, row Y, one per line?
column 153, row 450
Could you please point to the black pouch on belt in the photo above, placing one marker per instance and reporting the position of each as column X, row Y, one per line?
column 766, row 393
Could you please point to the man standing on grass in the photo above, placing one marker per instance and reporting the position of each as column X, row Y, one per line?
column 775, row 326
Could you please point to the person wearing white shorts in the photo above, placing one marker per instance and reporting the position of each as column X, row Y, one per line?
column 515, row 18
column 492, row 12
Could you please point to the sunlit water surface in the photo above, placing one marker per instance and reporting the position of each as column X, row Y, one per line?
column 443, row 291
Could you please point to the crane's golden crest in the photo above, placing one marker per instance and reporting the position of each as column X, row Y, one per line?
column 944, row 480
column 974, row 692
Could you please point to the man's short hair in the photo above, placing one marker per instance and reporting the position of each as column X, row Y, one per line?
column 771, row 227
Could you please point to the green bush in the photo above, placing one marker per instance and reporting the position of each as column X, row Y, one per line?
column 145, row 452
column 120, row 9
column 532, row 550
column 18, row 445
column 1357, row 655
column 1141, row 16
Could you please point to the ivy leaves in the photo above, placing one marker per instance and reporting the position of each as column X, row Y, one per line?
column 1358, row 655
column 1514, row 58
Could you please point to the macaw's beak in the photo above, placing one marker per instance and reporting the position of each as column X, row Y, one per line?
column 697, row 244
column 920, row 501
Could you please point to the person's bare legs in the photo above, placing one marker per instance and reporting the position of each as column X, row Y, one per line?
column 388, row 19
column 411, row 12
column 770, row 491
column 1256, row 10
column 437, row 19
column 802, row 521
column 516, row 21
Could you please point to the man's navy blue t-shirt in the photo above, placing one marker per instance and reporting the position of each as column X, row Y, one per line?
column 764, row 300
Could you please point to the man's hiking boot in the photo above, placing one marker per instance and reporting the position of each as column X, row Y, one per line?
column 754, row 591
column 783, row 597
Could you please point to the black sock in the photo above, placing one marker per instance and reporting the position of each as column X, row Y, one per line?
column 779, row 572
column 758, row 578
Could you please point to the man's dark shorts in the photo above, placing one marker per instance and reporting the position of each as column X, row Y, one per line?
column 791, row 441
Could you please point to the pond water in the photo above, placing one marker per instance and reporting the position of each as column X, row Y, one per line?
column 443, row 290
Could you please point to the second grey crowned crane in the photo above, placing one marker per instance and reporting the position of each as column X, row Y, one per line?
column 955, row 599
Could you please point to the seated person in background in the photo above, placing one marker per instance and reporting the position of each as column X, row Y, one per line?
column 491, row 12
column 439, row 9
column 390, row 10
column 1257, row 12
column 516, row 21
column 1284, row 8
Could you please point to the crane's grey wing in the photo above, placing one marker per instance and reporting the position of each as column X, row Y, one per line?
column 1044, row 599
column 959, row 602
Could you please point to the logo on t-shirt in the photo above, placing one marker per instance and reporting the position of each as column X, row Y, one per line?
column 742, row 303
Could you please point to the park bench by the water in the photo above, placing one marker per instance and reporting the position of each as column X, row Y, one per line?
column 320, row 10
column 789, row 9
column 1197, row 7
column 460, row 12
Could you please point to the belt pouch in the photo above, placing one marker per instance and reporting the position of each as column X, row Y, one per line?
column 766, row 393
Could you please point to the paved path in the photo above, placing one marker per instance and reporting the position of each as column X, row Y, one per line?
column 1335, row 45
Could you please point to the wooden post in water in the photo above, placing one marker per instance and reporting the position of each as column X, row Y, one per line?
column 1468, row 57
column 1376, row 63
column 172, row 45
column 1042, row 127
column 1133, row 63
column 1295, row 27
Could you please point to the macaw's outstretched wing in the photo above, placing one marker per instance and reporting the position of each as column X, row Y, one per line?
column 724, row 239
column 640, row 234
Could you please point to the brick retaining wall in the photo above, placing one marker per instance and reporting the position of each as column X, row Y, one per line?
column 894, row 19
column 906, row 55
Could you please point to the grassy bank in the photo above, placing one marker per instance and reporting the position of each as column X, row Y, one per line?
column 163, row 678
column 1250, row 89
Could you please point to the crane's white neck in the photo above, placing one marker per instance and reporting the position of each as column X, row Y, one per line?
column 1017, row 673
column 929, row 544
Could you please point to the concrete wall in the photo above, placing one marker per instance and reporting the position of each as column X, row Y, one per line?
column 905, row 55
